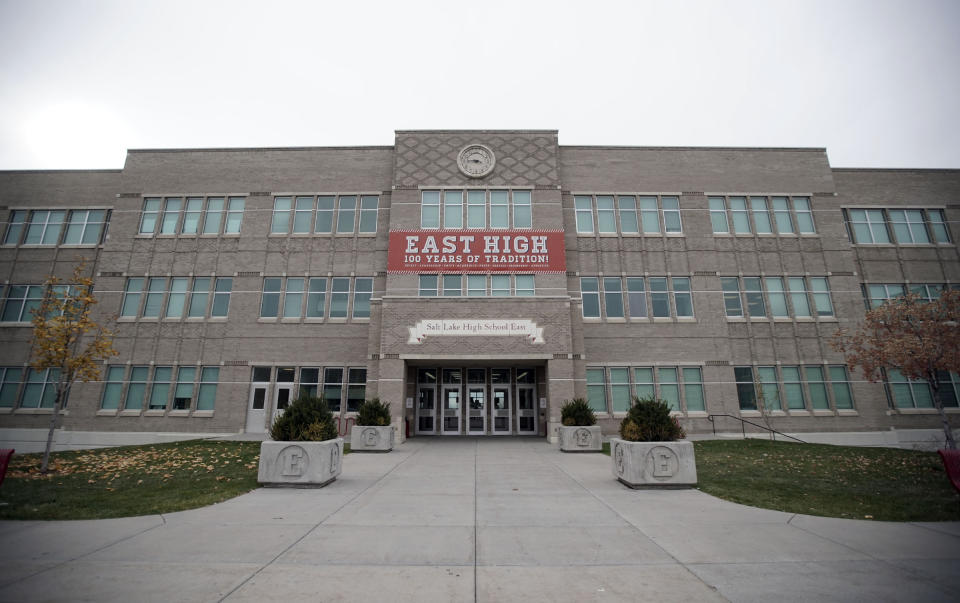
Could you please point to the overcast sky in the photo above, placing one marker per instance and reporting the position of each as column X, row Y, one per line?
column 875, row 82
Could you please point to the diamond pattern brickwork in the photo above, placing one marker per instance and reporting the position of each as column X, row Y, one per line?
column 430, row 159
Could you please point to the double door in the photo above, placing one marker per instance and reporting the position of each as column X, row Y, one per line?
column 491, row 402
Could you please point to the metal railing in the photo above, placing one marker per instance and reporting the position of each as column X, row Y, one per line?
column 745, row 422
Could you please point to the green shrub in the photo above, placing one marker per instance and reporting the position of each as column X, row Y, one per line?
column 649, row 420
column 307, row 419
column 373, row 412
column 577, row 413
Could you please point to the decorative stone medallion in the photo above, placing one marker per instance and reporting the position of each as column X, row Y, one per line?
column 335, row 459
column 618, row 459
column 662, row 463
column 371, row 437
column 293, row 461
column 476, row 160
column 583, row 437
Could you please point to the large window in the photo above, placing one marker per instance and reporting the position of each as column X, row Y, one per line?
column 628, row 214
column 876, row 294
column 681, row 387
column 56, row 227
column 907, row 226
column 477, row 285
column 19, row 302
column 324, row 214
column 793, row 387
column 335, row 384
column 776, row 297
column 176, row 297
column 474, row 208
column 668, row 297
column 762, row 215
column 192, row 216
column 129, row 388
column 295, row 298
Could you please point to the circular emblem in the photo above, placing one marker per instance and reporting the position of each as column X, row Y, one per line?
column 370, row 437
column 476, row 160
column 583, row 437
column 662, row 463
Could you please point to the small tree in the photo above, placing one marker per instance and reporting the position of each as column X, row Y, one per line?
column 67, row 340
column 916, row 337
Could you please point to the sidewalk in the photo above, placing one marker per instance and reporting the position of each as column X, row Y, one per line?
column 492, row 519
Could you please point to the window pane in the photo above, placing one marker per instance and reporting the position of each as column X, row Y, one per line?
column 589, row 291
column 346, row 213
column 821, row 296
column 199, row 297
column 171, row 215
column 613, row 297
column 499, row 209
column 817, row 388
column 177, row 298
column 324, row 214
column 131, row 297
column 628, row 214
column 522, row 212
column 682, row 298
column 693, row 389
column 841, row 389
column 453, row 209
column 368, row 213
column 606, row 220
column 781, row 212
column 731, row 296
column 316, row 298
column 596, row 390
column 525, row 285
column 303, row 215
column 362, row 291
column 208, row 388
column 643, row 382
column 584, row 211
column 754, row 293
column 637, row 298
column 339, row 298
column 801, row 207
column 778, row 300
column 293, row 298
column 671, row 214
column 741, row 220
column 235, row 215
column 745, row 388
column 649, row 215
column 939, row 226
column 659, row 298
column 155, row 290
column 718, row 215
column 500, row 284
column 270, row 304
column 620, row 389
column 428, row 285
column 761, row 217
column 476, row 209
column 281, row 215
column 452, row 284
column 798, row 297
column 111, row 392
column 221, row 298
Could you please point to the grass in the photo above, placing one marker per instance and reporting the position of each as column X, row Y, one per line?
column 885, row 484
column 130, row 480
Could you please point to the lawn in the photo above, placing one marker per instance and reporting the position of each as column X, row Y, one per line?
column 834, row 481
column 131, row 480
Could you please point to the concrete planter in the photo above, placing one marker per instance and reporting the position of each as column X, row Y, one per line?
column 371, row 438
column 581, row 439
column 300, row 464
column 654, row 464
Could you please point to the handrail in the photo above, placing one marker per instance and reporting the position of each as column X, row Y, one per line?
column 744, row 430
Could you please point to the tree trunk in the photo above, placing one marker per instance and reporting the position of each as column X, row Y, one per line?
column 53, row 426
column 938, row 403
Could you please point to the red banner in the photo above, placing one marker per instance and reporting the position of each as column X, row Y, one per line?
column 488, row 251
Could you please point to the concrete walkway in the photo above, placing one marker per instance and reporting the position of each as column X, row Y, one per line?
column 478, row 520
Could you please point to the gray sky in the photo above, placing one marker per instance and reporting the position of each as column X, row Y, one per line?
column 876, row 82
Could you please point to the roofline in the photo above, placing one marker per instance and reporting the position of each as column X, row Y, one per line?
column 67, row 171
column 633, row 148
column 259, row 149
column 476, row 131
column 895, row 170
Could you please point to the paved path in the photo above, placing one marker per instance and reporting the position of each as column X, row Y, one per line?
column 478, row 520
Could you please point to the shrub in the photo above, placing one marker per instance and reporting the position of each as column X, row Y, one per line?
column 577, row 413
column 307, row 419
column 649, row 420
column 373, row 412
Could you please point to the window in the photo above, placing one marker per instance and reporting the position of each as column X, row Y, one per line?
column 293, row 298
column 85, row 227
column 453, row 205
column 791, row 215
column 183, row 393
column 452, row 285
column 346, row 213
column 499, row 285
column 199, row 297
column 316, row 298
column 453, row 209
column 682, row 298
column 356, row 388
column 309, row 382
column 20, row 302
column 643, row 383
column 584, row 213
column 362, row 291
column 668, row 386
column 636, row 297
column 949, row 384
column 671, row 214
column 476, row 285
column 590, row 293
column 428, row 285
column 525, row 285
column 800, row 290
column 606, row 217
column 15, row 228
column 658, row 297
column 305, row 214
column 44, row 227
column 136, row 391
column 191, row 216
column 613, row 297
column 113, row 390
column 161, row 387
column 333, row 387
column 718, row 215
column 270, row 302
column 649, row 217
column 909, row 226
column 40, row 390
column 339, row 297
column 791, row 383
column 628, row 214
column 177, row 299
column 221, row 297
column 368, row 213
column 522, row 213
column 761, row 216
column 11, row 378
column 620, row 389
column 693, row 389
column 207, row 395
column 596, row 389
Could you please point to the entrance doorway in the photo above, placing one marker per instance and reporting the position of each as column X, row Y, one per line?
column 476, row 401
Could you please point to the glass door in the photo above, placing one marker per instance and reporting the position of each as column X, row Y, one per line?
column 283, row 394
column 526, row 402
column 476, row 401
column 451, row 410
column 256, row 407
column 500, row 401
column 426, row 401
